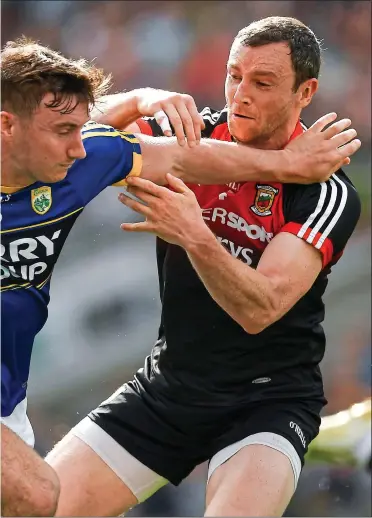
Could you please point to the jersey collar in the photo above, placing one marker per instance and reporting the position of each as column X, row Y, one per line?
column 299, row 129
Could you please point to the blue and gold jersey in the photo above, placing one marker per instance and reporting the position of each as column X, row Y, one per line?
column 35, row 222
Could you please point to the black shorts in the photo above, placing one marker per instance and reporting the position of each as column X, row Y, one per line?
column 172, row 437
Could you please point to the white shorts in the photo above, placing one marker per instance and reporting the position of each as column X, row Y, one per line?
column 143, row 482
column 19, row 423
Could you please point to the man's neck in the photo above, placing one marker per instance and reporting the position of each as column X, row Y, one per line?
column 278, row 140
column 12, row 176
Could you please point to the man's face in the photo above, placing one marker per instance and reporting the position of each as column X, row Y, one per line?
column 259, row 92
column 46, row 144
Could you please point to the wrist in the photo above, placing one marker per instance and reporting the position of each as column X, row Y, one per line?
column 274, row 166
column 199, row 241
column 143, row 97
column 117, row 110
column 280, row 166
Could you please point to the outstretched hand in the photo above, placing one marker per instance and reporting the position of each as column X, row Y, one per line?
column 322, row 151
column 173, row 215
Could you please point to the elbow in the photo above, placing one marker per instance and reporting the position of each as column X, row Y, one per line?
column 257, row 326
column 257, row 322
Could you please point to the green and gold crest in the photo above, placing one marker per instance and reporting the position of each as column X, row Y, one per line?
column 265, row 195
column 41, row 199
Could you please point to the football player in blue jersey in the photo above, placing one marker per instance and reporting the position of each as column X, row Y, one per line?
column 55, row 161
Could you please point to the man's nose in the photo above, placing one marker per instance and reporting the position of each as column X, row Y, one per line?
column 243, row 94
column 77, row 150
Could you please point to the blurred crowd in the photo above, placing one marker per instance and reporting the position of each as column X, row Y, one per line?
column 183, row 46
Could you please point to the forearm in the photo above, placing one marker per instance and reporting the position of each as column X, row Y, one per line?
column 230, row 162
column 211, row 162
column 117, row 110
column 244, row 293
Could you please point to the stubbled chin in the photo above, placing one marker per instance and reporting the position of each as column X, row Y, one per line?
column 57, row 177
column 241, row 134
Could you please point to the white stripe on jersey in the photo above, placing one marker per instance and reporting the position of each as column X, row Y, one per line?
column 207, row 114
column 337, row 215
column 326, row 213
column 338, row 193
column 306, row 225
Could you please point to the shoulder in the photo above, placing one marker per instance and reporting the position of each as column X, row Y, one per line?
column 213, row 119
column 323, row 214
column 99, row 137
column 338, row 192
column 95, row 127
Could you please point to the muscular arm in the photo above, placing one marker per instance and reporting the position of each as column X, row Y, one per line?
column 118, row 110
column 311, row 157
column 256, row 298
column 216, row 162
column 319, row 221
column 211, row 162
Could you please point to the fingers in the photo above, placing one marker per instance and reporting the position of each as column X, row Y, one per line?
column 336, row 128
column 343, row 138
column 146, row 186
column 175, row 120
column 197, row 119
column 180, row 110
column 349, row 149
column 177, row 184
column 142, row 226
column 343, row 154
column 163, row 121
column 134, row 205
column 188, row 124
column 202, row 124
column 321, row 123
column 141, row 195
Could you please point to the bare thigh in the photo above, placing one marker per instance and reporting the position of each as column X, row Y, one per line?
column 89, row 487
column 256, row 481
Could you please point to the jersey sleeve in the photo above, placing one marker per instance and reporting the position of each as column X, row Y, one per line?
column 149, row 126
column 323, row 214
column 211, row 119
column 111, row 156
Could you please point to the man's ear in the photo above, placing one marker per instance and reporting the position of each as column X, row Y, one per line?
column 306, row 91
column 7, row 124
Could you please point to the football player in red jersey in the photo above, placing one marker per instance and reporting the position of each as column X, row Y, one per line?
column 234, row 376
column 46, row 100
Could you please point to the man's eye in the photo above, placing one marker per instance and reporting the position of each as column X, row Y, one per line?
column 260, row 83
column 235, row 77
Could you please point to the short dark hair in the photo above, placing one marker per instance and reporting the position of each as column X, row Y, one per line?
column 304, row 46
column 30, row 70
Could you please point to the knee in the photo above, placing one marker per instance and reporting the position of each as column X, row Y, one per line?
column 46, row 495
column 43, row 498
column 39, row 499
